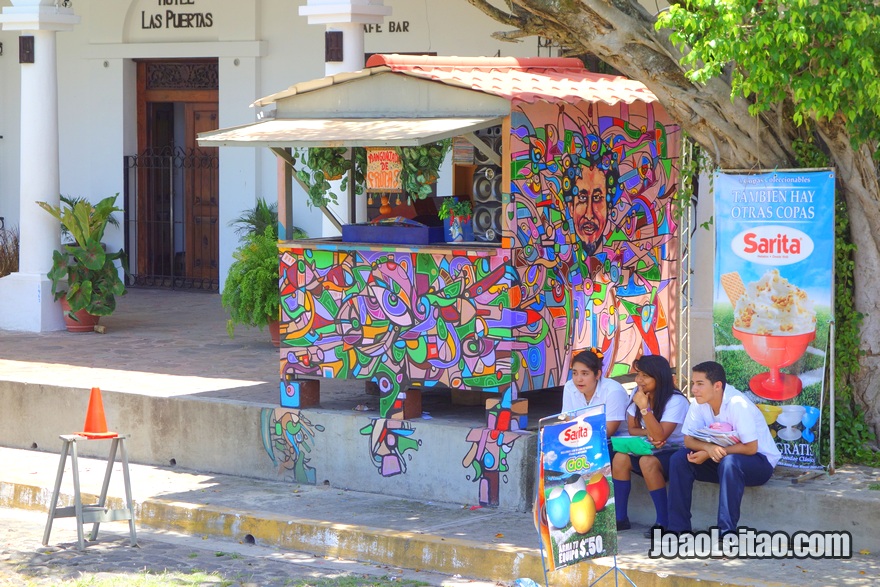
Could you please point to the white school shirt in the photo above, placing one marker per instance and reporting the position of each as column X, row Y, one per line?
column 676, row 411
column 745, row 417
column 608, row 392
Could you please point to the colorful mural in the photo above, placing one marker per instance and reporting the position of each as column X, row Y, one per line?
column 288, row 437
column 588, row 258
column 470, row 320
column 592, row 188
column 390, row 440
column 491, row 446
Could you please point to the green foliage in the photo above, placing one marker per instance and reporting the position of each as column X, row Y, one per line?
column 809, row 60
column 262, row 216
column 421, row 167
column 251, row 293
column 820, row 56
column 852, row 434
column 453, row 208
column 90, row 273
column 694, row 162
column 9, row 249
column 72, row 201
column 326, row 164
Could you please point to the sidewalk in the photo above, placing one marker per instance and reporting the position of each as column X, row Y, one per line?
column 173, row 345
column 322, row 520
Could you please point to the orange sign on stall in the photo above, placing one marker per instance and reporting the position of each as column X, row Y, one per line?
column 383, row 170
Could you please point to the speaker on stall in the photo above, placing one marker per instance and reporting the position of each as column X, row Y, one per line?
column 492, row 137
column 493, row 143
column 487, row 183
column 487, row 222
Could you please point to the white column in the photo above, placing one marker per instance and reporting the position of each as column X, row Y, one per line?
column 348, row 16
column 27, row 302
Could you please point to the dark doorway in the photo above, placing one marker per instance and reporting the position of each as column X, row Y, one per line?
column 172, row 185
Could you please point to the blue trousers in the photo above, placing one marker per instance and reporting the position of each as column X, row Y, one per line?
column 733, row 474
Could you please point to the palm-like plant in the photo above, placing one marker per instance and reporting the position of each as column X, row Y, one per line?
column 263, row 215
column 72, row 201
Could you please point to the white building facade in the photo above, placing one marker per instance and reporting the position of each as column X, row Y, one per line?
column 138, row 79
column 145, row 75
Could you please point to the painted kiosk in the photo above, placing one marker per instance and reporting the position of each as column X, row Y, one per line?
column 587, row 253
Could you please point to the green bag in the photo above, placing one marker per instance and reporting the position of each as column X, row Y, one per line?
column 634, row 445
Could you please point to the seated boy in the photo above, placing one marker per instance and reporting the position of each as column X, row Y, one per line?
column 749, row 462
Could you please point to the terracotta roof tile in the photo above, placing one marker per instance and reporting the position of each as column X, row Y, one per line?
column 527, row 79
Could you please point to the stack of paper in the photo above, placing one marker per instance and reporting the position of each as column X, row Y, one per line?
column 719, row 437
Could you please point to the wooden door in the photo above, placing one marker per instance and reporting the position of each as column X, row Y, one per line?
column 177, row 182
column 201, row 195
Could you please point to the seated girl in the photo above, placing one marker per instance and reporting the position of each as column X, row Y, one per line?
column 587, row 388
column 657, row 411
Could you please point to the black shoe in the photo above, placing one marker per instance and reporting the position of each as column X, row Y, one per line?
column 623, row 524
column 650, row 532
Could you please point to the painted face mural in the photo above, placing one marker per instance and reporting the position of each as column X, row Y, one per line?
column 604, row 177
column 588, row 208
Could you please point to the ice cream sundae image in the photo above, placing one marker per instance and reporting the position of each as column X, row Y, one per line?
column 776, row 321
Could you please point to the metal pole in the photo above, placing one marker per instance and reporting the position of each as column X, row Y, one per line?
column 171, row 212
column 832, row 398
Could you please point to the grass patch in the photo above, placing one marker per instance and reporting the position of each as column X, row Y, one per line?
column 149, row 579
column 874, row 486
column 359, row 581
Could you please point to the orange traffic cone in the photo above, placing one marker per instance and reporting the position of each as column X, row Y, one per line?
column 96, row 424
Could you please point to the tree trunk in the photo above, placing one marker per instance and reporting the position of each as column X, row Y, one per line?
column 857, row 172
column 621, row 33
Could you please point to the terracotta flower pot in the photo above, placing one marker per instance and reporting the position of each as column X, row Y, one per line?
column 84, row 322
column 275, row 332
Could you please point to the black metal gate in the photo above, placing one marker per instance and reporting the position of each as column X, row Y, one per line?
column 171, row 220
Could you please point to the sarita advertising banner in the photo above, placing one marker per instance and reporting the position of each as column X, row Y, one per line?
column 575, row 505
column 774, row 297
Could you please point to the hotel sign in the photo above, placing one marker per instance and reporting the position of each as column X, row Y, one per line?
column 176, row 14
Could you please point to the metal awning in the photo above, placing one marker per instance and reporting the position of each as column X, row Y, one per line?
column 345, row 132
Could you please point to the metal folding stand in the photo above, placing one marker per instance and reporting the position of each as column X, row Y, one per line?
column 617, row 574
column 97, row 513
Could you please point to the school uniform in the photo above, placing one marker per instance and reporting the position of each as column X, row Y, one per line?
column 609, row 393
column 733, row 473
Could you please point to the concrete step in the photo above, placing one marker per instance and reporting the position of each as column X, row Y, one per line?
column 481, row 543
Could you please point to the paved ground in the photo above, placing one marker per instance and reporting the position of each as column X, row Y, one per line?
column 25, row 561
column 182, row 334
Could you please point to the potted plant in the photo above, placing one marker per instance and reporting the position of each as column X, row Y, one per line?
column 84, row 276
column 263, row 215
column 456, row 217
column 72, row 201
column 251, row 293
column 421, row 167
column 328, row 164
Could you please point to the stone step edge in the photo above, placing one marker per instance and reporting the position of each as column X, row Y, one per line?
column 496, row 562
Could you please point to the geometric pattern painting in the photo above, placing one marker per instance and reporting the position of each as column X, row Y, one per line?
column 588, row 257
column 593, row 187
